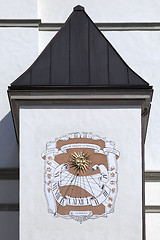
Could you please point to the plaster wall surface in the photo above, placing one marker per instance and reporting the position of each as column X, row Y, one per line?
column 141, row 51
column 47, row 124
column 102, row 10
column 18, row 49
column 152, row 226
column 152, row 193
column 18, row 9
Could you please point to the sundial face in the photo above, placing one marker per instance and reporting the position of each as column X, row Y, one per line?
column 80, row 176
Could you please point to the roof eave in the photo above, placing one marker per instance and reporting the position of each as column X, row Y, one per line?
column 119, row 97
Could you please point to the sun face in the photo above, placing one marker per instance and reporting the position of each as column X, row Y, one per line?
column 80, row 162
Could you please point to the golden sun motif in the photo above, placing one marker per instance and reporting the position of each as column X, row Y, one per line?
column 80, row 162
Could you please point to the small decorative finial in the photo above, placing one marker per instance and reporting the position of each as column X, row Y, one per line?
column 78, row 8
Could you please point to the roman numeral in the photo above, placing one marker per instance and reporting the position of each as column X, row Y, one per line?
column 54, row 186
column 105, row 193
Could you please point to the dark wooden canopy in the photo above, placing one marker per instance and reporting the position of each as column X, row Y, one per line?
column 79, row 67
column 79, row 55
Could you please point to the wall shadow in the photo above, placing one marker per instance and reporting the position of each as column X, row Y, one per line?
column 9, row 156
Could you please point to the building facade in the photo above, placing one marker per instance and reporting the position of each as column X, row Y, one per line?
column 26, row 28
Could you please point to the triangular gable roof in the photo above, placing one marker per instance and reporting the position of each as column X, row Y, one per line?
column 79, row 55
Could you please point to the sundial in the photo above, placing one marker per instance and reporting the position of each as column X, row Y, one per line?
column 81, row 176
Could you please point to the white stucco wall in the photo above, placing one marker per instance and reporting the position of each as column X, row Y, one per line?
column 18, row 9
column 102, row 10
column 18, row 49
column 152, row 226
column 47, row 124
column 152, row 191
column 141, row 51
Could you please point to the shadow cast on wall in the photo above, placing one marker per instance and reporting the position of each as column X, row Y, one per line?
column 8, row 143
